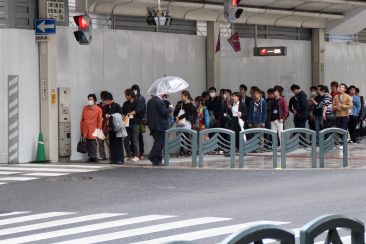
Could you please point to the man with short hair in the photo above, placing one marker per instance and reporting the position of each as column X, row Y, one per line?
column 342, row 103
column 279, row 110
column 243, row 93
column 318, row 110
column 214, row 107
column 301, row 108
column 157, row 119
column 105, row 128
column 257, row 113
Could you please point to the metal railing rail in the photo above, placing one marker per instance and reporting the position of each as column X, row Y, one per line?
column 216, row 140
column 329, row 139
column 293, row 139
column 256, row 234
column 330, row 223
column 252, row 140
column 182, row 138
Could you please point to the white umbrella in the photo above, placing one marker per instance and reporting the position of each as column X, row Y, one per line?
column 167, row 85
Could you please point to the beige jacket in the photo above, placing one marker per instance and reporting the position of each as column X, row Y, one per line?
column 342, row 106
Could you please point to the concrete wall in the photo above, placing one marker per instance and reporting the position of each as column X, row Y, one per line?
column 346, row 63
column 265, row 72
column 19, row 56
column 117, row 59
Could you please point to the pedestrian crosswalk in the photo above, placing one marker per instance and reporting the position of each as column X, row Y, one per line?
column 27, row 172
column 72, row 227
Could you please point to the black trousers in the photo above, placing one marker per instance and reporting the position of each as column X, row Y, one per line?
column 301, row 124
column 117, row 154
column 342, row 122
column 353, row 121
column 92, row 146
column 155, row 155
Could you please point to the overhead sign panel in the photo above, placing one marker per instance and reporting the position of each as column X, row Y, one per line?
column 270, row 51
column 45, row 26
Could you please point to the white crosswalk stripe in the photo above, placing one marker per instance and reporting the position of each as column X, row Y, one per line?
column 24, row 227
column 13, row 213
column 26, row 172
column 32, row 217
column 202, row 234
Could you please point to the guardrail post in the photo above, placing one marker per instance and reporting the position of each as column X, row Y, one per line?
column 330, row 223
column 298, row 139
column 216, row 141
column 179, row 141
column 256, row 234
column 327, row 141
column 253, row 144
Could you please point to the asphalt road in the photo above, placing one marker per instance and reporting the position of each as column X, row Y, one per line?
column 232, row 196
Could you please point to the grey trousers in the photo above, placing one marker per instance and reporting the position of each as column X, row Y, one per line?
column 92, row 146
column 133, row 133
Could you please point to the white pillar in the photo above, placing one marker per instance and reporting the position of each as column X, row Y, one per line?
column 49, row 107
column 213, row 58
column 318, row 49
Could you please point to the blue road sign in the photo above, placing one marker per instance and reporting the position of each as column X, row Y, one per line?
column 45, row 26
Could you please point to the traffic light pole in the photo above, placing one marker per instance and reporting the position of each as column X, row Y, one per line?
column 47, row 78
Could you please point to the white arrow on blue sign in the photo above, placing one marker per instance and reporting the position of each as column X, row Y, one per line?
column 45, row 26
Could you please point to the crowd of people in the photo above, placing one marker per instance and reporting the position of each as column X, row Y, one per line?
column 340, row 106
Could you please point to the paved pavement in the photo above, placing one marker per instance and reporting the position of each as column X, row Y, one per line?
column 153, row 205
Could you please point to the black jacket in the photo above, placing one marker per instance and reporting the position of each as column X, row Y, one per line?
column 214, row 106
column 190, row 111
column 302, row 106
column 157, row 114
column 112, row 109
column 130, row 107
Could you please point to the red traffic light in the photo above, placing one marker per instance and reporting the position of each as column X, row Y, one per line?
column 263, row 52
column 82, row 21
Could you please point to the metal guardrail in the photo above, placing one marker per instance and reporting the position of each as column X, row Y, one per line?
column 330, row 138
column 256, row 234
column 182, row 138
column 293, row 139
column 252, row 140
column 216, row 138
column 308, row 233
column 330, row 223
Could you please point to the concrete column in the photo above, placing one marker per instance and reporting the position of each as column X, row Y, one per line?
column 213, row 59
column 49, row 109
column 318, row 49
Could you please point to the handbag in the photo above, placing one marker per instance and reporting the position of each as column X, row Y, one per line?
column 181, row 117
column 82, row 147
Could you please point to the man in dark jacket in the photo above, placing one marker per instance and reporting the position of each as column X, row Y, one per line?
column 115, row 142
column 214, row 107
column 157, row 120
column 301, row 108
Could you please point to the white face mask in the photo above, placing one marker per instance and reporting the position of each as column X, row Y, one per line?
column 212, row 94
column 225, row 96
column 135, row 92
column 90, row 103
column 313, row 93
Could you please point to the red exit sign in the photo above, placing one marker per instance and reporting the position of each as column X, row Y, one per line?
column 270, row 51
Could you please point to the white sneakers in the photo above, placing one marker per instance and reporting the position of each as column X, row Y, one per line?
column 135, row 159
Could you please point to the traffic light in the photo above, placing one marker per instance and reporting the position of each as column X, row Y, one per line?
column 231, row 11
column 83, row 34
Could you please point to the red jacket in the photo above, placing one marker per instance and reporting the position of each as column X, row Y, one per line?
column 90, row 121
column 283, row 109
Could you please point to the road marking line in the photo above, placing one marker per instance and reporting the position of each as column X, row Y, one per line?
column 62, row 166
column 3, row 183
column 45, row 174
column 83, row 229
column 12, row 213
column 57, row 223
column 33, row 217
column 145, row 230
column 48, row 169
column 202, row 234
column 15, row 178
column 9, row 173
